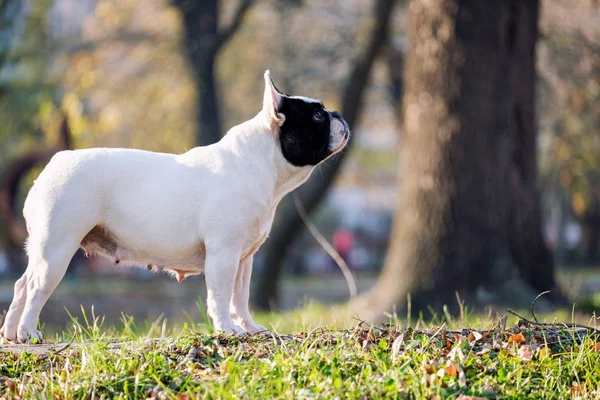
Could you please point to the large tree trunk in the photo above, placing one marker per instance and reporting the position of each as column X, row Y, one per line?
column 288, row 222
column 468, row 215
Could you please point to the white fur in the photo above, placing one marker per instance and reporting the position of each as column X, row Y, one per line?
column 207, row 210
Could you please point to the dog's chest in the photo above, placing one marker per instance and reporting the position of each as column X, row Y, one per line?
column 258, row 232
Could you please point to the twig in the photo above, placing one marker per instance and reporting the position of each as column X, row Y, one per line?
column 66, row 346
column 553, row 324
column 533, row 304
column 326, row 246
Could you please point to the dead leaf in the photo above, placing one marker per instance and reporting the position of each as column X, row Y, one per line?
column 465, row 397
column 474, row 336
column 524, row 353
column 462, row 378
column 451, row 370
column 447, row 342
column 396, row 346
column 578, row 388
column 516, row 338
column 456, row 352
column 10, row 384
column 595, row 347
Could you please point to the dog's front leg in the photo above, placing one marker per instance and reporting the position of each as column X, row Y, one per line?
column 222, row 262
column 240, row 312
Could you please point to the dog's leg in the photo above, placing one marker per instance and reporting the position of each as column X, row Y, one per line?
column 240, row 312
column 47, row 268
column 9, row 329
column 220, row 270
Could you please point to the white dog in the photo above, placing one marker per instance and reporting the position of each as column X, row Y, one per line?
column 207, row 210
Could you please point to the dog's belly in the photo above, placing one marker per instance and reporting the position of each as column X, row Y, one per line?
column 102, row 241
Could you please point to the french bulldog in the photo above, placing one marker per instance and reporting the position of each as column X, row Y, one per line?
column 204, row 211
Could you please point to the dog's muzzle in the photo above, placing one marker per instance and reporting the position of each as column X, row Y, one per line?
column 340, row 132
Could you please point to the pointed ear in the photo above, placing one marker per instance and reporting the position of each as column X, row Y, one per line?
column 272, row 101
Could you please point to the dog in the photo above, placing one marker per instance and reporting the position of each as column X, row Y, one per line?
column 207, row 210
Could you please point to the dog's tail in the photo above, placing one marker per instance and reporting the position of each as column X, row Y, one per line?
column 13, row 176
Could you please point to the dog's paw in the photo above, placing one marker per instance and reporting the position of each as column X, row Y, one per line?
column 230, row 328
column 253, row 328
column 8, row 335
column 27, row 335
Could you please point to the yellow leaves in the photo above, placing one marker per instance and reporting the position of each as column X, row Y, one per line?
column 544, row 353
column 578, row 202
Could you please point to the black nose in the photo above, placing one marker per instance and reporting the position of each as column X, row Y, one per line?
column 335, row 114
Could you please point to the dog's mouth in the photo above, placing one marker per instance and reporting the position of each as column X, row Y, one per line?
column 343, row 143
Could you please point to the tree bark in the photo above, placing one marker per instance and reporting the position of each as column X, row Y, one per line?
column 288, row 222
column 468, row 215
column 202, row 42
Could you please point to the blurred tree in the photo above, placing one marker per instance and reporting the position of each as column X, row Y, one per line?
column 23, row 95
column 203, row 39
column 468, row 216
column 288, row 224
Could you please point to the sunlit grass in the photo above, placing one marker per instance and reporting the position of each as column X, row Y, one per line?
column 445, row 357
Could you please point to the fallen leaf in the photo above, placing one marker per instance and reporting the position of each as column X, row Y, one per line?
column 524, row 353
column 396, row 346
column 516, row 338
column 544, row 353
column 447, row 342
column 456, row 352
column 595, row 347
column 462, row 378
column 10, row 384
column 451, row 370
column 474, row 336
column 578, row 387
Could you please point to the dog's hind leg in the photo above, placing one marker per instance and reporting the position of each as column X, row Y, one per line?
column 13, row 316
column 46, row 269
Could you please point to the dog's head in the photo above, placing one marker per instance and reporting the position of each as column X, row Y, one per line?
column 308, row 132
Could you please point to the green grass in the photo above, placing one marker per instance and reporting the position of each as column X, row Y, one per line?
column 441, row 359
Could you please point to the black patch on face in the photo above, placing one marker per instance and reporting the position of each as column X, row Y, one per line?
column 304, row 137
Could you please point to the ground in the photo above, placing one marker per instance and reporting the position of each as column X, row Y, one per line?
column 309, row 355
column 504, row 358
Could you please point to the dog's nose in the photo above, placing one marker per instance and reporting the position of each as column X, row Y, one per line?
column 335, row 114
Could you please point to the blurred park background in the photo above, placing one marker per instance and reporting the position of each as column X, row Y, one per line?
column 473, row 167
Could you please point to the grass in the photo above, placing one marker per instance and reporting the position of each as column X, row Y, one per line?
column 441, row 359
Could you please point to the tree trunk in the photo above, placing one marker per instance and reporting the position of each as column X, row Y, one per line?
column 468, row 217
column 288, row 223
column 202, row 42
column 200, row 20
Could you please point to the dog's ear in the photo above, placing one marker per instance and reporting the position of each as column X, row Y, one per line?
column 272, row 102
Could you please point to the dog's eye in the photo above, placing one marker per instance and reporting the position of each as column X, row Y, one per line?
column 318, row 116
